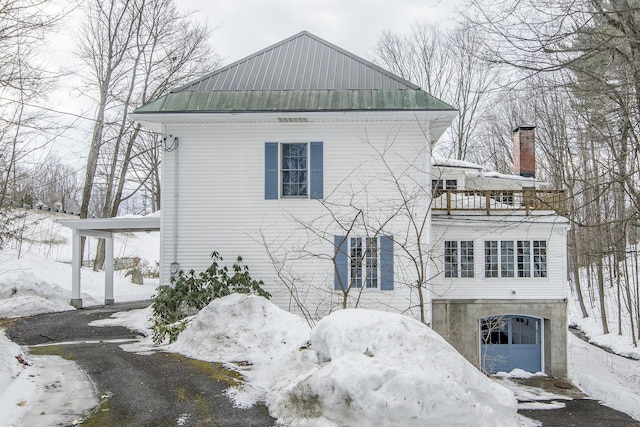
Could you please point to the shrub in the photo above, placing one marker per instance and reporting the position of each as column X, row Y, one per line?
column 190, row 292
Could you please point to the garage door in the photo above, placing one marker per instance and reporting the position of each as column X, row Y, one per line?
column 509, row 342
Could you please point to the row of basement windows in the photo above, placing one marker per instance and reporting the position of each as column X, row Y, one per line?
column 502, row 258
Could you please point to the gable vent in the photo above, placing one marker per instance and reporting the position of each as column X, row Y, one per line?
column 292, row 119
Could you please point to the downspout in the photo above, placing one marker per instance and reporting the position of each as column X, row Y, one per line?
column 170, row 144
column 175, row 206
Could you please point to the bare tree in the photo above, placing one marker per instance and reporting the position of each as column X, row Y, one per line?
column 137, row 50
column 584, row 52
column 445, row 64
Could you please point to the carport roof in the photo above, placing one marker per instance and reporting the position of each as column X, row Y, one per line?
column 114, row 225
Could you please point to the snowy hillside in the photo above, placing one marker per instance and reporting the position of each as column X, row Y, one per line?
column 35, row 267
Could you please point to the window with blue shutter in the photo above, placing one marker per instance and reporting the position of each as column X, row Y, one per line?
column 294, row 170
column 363, row 261
column 271, row 170
column 341, row 273
column 316, row 177
column 386, row 263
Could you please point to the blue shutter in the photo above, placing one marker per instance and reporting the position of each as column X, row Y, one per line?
column 316, row 163
column 341, row 272
column 271, row 170
column 386, row 263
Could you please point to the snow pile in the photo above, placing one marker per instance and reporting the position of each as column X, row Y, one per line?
column 385, row 369
column 33, row 284
column 26, row 295
column 518, row 373
column 41, row 391
column 248, row 330
column 530, row 397
column 360, row 368
column 136, row 320
column 10, row 368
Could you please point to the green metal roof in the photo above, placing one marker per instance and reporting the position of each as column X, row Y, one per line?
column 295, row 100
column 300, row 73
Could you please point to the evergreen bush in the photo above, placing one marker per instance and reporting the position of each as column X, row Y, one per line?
column 190, row 292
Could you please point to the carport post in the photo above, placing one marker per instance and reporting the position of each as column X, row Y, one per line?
column 76, row 263
column 108, row 271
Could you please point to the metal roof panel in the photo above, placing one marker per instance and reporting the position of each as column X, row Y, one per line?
column 303, row 61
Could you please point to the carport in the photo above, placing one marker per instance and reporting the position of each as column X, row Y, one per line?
column 102, row 228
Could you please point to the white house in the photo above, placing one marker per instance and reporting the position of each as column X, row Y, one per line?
column 499, row 283
column 299, row 158
column 314, row 165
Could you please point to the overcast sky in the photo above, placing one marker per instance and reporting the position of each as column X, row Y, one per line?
column 243, row 27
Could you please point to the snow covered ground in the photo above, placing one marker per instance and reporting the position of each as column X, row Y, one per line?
column 35, row 277
column 354, row 368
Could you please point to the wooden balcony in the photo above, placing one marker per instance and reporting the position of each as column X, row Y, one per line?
column 499, row 201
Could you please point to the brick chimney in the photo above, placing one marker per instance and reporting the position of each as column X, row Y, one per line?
column 524, row 151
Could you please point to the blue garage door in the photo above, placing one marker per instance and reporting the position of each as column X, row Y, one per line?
column 510, row 342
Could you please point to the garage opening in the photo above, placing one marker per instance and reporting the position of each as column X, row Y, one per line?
column 510, row 341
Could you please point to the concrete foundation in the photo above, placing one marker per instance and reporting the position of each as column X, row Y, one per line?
column 458, row 321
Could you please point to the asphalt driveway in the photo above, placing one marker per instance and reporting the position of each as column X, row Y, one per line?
column 157, row 389
column 165, row 389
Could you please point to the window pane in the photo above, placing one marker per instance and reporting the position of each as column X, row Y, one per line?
column 466, row 258
column 356, row 262
column 491, row 258
column 506, row 259
column 450, row 259
column 495, row 331
column 524, row 330
column 372, row 263
column 524, row 258
column 294, row 169
column 539, row 258
column 451, row 184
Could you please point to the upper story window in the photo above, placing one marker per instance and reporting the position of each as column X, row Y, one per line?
column 294, row 173
column 293, row 170
column 458, row 258
column 521, row 258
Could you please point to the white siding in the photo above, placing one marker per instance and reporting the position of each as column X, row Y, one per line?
column 221, row 205
column 480, row 229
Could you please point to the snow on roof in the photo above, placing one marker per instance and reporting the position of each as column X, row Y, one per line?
column 512, row 177
column 462, row 164
column 453, row 163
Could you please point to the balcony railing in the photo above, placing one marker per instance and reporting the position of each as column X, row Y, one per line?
column 499, row 201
